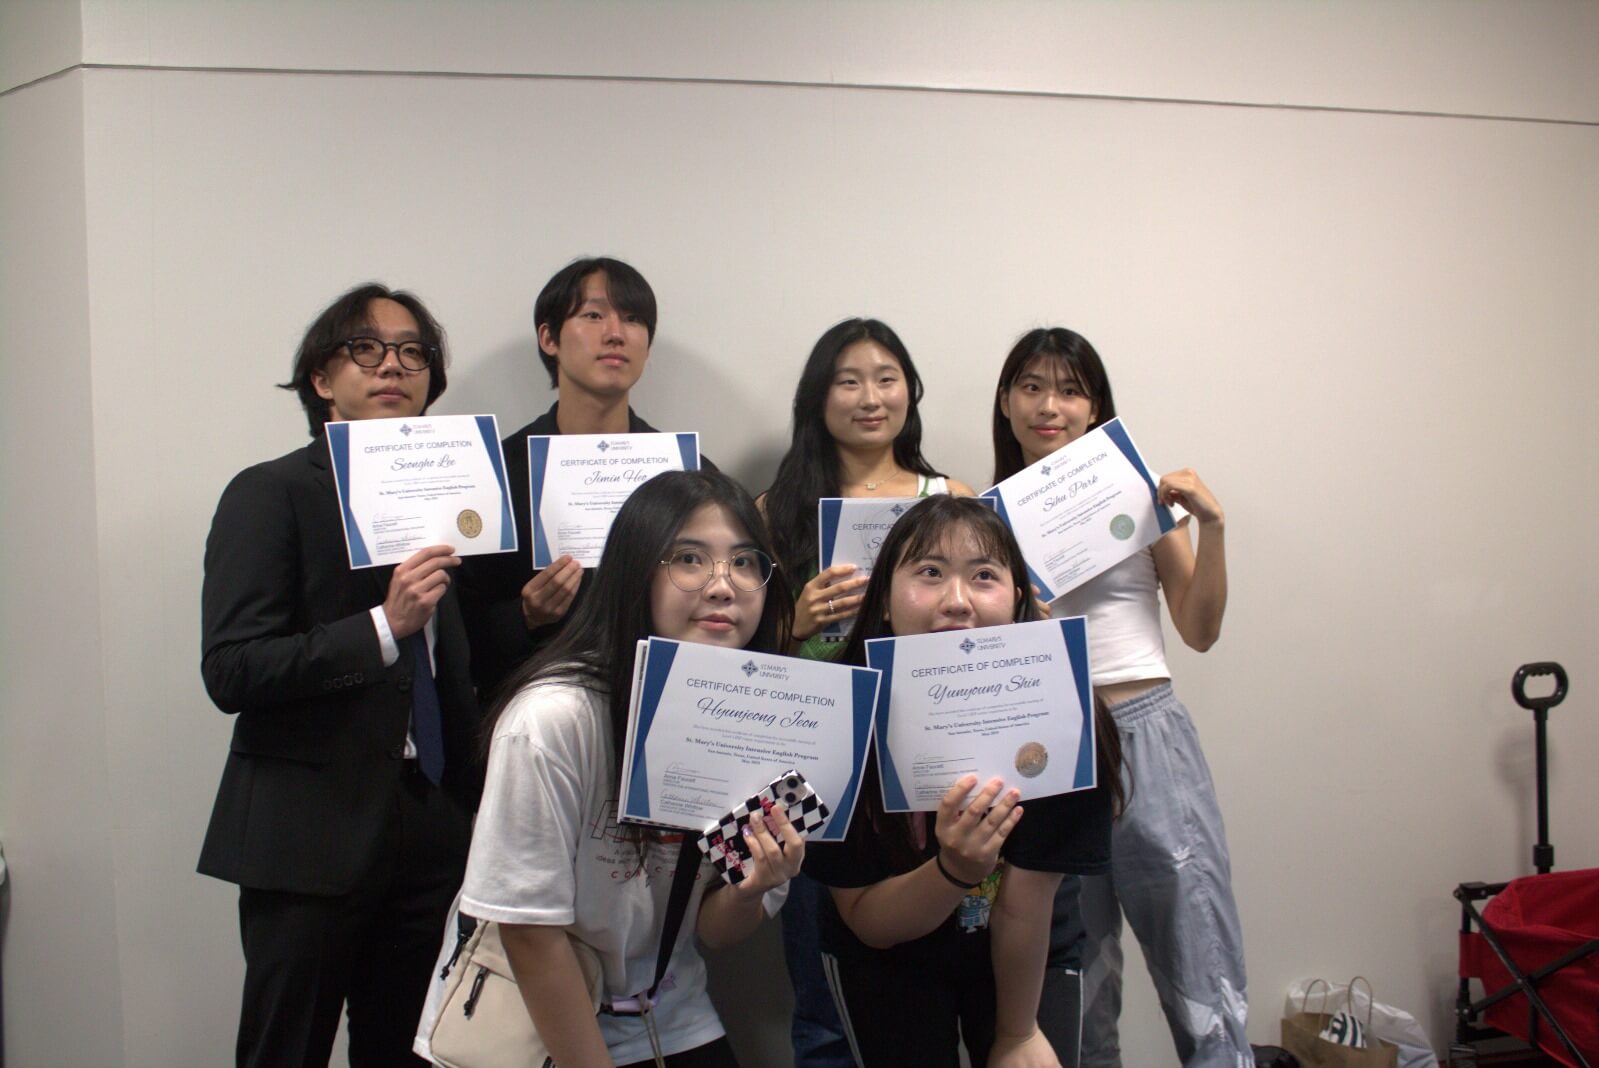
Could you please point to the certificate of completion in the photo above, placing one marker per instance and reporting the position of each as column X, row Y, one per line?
column 1082, row 509
column 1011, row 702
column 578, row 482
column 711, row 726
column 850, row 530
column 408, row 483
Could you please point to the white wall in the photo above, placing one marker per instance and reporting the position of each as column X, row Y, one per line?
column 1368, row 331
column 57, row 810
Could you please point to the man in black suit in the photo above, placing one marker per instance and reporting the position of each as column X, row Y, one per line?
column 596, row 321
column 344, row 809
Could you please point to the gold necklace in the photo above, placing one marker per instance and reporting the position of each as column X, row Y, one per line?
column 872, row 486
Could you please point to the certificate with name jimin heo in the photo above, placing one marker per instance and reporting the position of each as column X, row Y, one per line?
column 578, row 482
column 1011, row 702
column 411, row 482
column 1082, row 509
column 710, row 726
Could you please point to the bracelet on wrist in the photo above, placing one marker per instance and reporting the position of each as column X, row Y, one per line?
column 938, row 858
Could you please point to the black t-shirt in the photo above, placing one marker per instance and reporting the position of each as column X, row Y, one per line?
column 1067, row 833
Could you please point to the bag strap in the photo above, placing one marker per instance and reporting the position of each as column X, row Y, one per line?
column 1371, row 1000
column 676, row 907
column 1304, row 1001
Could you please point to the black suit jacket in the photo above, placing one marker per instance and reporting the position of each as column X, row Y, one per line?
column 290, row 648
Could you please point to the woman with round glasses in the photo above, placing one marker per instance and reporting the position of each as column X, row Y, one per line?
column 686, row 559
column 856, row 433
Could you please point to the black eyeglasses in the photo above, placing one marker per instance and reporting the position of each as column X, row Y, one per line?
column 371, row 352
column 692, row 570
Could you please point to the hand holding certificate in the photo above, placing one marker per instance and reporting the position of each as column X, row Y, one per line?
column 407, row 483
column 1082, row 509
column 1010, row 702
column 710, row 726
column 578, row 482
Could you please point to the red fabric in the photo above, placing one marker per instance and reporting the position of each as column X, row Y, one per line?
column 1539, row 919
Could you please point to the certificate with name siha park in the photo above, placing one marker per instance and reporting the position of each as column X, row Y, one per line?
column 1082, row 509
column 578, row 482
column 710, row 726
column 1011, row 702
column 408, row 483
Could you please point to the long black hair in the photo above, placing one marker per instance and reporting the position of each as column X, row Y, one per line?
column 810, row 468
column 597, row 646
column 1054, row 344
column 918, row 533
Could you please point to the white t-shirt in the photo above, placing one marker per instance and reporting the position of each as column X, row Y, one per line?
column 1125, row 642
column 546, row 850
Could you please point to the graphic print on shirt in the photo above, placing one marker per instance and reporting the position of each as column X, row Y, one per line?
column 622, row 855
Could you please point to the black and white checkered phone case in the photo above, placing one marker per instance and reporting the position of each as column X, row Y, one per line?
column 724, row 844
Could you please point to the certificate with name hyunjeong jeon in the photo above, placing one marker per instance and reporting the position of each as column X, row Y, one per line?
column 709, row 726
column 578, row 482
column 1082, row 509
column 1011, row 702
column 414, row 481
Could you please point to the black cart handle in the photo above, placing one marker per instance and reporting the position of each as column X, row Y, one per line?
column 1518, row 685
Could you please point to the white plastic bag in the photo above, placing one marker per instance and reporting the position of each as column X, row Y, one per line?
column 1387, row 1023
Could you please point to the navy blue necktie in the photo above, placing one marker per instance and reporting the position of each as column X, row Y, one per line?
column 427, row 723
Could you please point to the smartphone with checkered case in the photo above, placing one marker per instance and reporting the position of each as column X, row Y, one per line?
column 724, row 843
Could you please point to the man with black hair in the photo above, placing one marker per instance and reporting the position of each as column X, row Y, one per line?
column 595, row 321
column 344, row 812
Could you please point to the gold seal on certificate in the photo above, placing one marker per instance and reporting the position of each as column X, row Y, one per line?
column 1031, row 759
column 469, row 523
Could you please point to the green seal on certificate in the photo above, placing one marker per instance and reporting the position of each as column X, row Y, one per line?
column 1122, row 527
column 1031, row 760
column 469, row 523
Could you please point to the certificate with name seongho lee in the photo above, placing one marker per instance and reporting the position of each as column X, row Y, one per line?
column 415, row 481
column 1011, row 702
column 710, row 726
column 578, row 482
column 1082, row 509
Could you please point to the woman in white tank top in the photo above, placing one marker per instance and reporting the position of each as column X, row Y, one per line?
column 1052, row 389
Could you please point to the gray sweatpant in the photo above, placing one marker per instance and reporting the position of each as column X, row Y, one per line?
column 1171, row 876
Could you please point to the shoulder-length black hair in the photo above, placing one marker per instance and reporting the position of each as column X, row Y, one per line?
column 918, row 533
column 1055, row 344
column 340, row 321
column 810, row 468
column 559, row 299
column 596, row 647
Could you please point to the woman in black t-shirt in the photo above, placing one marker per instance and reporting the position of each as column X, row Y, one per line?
column 905, row 932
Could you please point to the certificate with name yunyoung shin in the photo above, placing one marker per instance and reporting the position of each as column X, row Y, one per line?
column 1011, row 702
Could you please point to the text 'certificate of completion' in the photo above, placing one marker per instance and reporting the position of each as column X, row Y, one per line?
column 712, row 726
column 578, row 482
column 408, row 483
column 1082, row 509
column 1011, row 702
column 850, row 530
